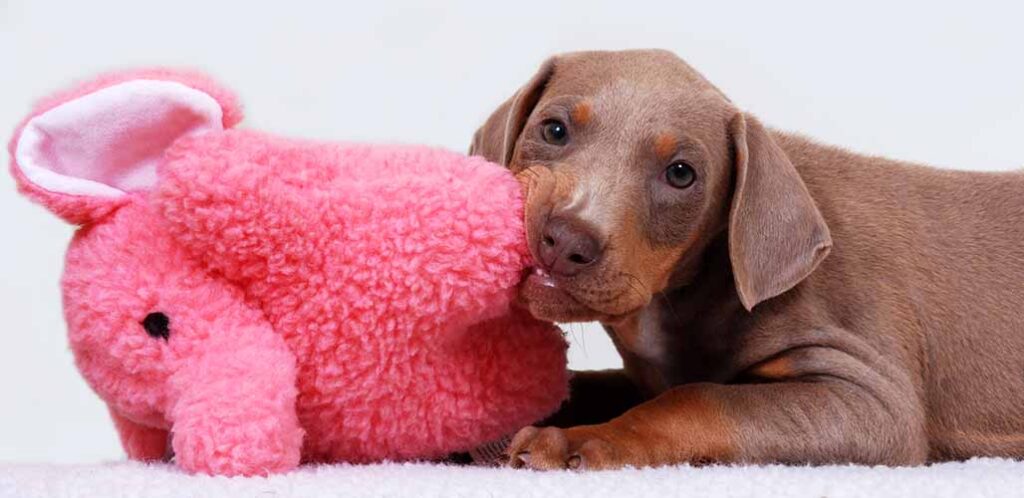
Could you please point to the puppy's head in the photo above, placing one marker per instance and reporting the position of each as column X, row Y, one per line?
column 633, row 164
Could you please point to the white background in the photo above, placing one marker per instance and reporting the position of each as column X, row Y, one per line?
column 925, row 82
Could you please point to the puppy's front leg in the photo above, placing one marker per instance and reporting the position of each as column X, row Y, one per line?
column 596, row 396
column 847, row 414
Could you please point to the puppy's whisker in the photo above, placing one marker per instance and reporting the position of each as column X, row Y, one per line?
column 668, row 305
column 630, row 279
column 529, row 172
column 581, row 338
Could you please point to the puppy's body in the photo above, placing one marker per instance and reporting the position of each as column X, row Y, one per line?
column 741, row 340
column 920, row 302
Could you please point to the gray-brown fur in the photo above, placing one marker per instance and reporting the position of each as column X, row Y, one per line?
column 798, row 303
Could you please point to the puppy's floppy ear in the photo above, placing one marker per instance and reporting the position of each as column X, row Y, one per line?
column 777, row 236
column 496, row 139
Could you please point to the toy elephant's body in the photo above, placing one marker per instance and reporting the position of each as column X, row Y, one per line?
column 251, row 301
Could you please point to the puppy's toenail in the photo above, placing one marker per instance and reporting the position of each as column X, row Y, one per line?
column 574, row 462
column 521, row 460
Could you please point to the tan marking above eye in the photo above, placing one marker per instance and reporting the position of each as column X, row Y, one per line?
column 582, row 113
column 665, row 146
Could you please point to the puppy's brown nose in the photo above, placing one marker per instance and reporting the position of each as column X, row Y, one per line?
column 566, row 247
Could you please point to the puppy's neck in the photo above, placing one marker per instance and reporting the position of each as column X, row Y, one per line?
column 678, row 321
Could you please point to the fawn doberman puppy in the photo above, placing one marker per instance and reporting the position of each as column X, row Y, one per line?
column 773, row 299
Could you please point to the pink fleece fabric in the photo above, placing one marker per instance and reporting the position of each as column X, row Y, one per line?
column 325, row 302
column 80, row 210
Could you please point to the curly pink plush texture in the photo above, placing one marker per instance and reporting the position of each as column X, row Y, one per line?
column 326, row 302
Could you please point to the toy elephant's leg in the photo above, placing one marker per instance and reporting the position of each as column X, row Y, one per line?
column 141, row 442
column 233, row 406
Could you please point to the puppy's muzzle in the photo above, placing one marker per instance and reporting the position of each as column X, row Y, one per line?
column 567, row 246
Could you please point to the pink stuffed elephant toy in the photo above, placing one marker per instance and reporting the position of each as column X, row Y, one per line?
column 245, row 302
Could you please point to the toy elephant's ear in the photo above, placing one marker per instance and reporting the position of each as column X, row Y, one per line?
column 82, row 153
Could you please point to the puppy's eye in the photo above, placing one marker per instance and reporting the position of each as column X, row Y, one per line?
column 157, row 325
column 680, row 175
column 554, row 132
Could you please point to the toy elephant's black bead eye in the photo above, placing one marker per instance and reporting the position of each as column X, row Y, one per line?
column 157, row 325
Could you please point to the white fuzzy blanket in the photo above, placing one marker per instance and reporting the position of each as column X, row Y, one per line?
column 979, row 477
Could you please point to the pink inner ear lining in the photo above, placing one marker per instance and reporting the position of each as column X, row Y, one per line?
column 110, row 141
column 228, row 101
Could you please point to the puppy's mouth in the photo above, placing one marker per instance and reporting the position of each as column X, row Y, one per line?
column 550, row 298
column 547, row 299
column 598, row 293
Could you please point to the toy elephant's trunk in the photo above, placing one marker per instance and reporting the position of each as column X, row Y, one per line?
column 232, row 406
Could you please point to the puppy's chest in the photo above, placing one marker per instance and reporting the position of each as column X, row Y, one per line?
column 662, row 348
column 644, row 337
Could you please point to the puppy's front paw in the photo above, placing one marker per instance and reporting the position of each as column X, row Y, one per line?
column 578, row 448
